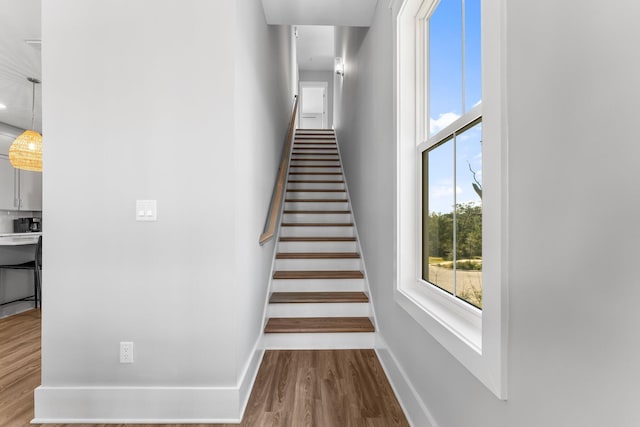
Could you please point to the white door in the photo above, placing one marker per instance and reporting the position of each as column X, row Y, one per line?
column 313, row 111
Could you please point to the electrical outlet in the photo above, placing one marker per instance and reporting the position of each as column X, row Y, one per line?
column 126, row 352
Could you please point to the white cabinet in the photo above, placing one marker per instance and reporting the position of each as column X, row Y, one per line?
column 30, row 190
column 19, row 190
column 7, row 185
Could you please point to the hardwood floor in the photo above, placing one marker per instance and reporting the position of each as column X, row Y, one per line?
column 323, row 388
column 19, row 367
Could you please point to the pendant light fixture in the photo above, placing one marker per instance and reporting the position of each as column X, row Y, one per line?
column 26, row 151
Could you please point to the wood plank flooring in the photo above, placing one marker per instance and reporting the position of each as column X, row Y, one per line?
column 303, row 388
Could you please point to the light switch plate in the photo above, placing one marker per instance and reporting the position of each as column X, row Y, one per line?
column 146, row 210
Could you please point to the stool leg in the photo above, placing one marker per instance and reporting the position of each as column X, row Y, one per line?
column 39, row 273
column 35, row 287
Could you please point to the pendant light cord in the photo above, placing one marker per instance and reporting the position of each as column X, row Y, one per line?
column 34, row 82
column 33, row 106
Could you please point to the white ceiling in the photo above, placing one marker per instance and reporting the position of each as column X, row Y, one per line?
column 350, row 13
column 19, row 21
column 315, row 48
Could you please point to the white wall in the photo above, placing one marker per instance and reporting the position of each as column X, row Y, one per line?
column 144, row 100
column 322, row 76
column 572, row 94
column 263, row 103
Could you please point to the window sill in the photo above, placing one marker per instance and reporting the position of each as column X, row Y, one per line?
column 458, row 332
column 428, row 304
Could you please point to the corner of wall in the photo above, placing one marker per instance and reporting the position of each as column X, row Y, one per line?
column 414, row 408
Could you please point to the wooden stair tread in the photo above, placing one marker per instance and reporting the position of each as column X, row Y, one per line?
column 317, row 255
column 318, row 239
column 311, row 181
column 328, row 151
column 317, row 200
column 315, row 173
column 302, row 145
column 315, row 212
column 315, row 166
column 312, row 159
column 317, row 224
column 315, row 136
column 313, row 150
column 313, row 153
column 317, row 297
column 318, row 274
column 318, row 325
column 316, row 190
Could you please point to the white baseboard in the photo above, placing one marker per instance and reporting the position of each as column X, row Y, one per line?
column 249, row 375
column 148, row 405
column 414, row 408
column 141, row 405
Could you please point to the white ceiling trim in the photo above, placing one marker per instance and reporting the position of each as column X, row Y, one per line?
column 349, row 13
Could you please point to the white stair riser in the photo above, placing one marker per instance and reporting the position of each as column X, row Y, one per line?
column 315, row 177
column 317, row 246
column 306, row 132
column 340, row 195
column 360, row 309
column 307, row 169
column 318, row 264
column 314, row 131
column 323, row 217
column 316, row 231
column 314, row 163
column 316, row 185
column 324, row 341
column 315, row 147
column 316, row 206
column 314, row 154
column 317, row 285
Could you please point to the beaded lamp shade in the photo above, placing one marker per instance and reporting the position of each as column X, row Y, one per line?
column 26, row 151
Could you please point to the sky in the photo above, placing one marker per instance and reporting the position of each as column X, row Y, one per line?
column 448, row 101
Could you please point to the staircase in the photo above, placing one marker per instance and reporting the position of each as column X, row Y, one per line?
column 318, row 293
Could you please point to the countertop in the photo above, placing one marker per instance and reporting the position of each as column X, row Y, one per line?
column 16, row 239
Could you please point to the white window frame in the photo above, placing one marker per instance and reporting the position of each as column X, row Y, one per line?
column 478, row 339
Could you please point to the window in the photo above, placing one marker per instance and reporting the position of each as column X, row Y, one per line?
column 451, row 213
column 451, row 183
column 451, row 154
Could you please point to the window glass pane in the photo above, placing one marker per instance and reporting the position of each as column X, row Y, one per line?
column 472, row 57
column 469, row 215
column 438, row 200
column 445, row 65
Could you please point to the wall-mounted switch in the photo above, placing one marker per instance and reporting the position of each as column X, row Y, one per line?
column 126, row 352
column 146, row 210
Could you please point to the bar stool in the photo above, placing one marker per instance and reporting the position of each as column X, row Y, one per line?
column 36, row 266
